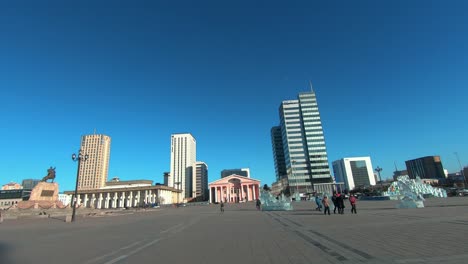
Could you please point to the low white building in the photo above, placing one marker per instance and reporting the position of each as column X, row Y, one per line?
column 121, row 194
column 64, row 198
column 354, row 171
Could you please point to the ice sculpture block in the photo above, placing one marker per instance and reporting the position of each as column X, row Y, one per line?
column 410, row 192
column 270, row 203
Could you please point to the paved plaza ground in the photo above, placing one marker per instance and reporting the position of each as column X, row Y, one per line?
column 379, row 233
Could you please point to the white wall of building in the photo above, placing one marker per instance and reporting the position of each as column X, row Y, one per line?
column 343, row 171
column 64, row 198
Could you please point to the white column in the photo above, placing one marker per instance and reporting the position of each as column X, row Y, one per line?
column 210, row 195
column 85, row 200
column 242, row 192
column 99, row 204
column 93, row 200
column 106, row 205
column 114, row 200
column 78, row 200
column 122, row 200
column 137, row 198
column 130, row 200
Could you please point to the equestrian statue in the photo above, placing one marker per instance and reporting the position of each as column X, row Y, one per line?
column 50, row 175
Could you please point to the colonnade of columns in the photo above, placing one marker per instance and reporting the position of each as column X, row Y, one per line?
column 232, row 194
column 120, row 199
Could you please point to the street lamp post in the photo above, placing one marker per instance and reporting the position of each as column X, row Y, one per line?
column 461, row 168
column 80, row 157
column 378, row 170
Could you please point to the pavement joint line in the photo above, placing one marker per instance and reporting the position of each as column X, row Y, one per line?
column 321, row 246
column 457, row 223
column 311, row 241
column 113, row 252
column 171, row 228
column 343, row 245
column 133, row 252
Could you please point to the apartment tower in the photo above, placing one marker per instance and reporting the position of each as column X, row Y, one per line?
column 304, row 157
column 183, row 156
column 200, row 181
column 93, row 172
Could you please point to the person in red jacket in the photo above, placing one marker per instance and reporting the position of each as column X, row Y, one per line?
column 352, row 201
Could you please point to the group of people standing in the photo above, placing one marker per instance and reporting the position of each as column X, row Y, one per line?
column 338, row 203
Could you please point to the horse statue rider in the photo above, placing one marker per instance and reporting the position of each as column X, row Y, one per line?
column 50, row 175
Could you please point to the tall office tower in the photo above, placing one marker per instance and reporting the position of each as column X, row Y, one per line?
column 304, row 150
column 183, row 156
column 429, row 167
column 241, row 172
column 200, row 180
column 93, row 172
column 354, row 172
column 278, row 153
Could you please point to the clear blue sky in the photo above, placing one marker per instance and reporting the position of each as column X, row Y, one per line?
column 390, row 77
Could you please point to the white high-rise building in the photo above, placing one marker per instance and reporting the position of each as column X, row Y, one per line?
column 94, row 171
column 356, row 171
column 183, row 156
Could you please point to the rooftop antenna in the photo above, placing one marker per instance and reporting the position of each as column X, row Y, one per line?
column 311, row 88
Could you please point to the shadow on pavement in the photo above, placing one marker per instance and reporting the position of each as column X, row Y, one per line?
column 4, row 256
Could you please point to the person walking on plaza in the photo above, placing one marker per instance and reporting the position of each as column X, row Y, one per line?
column 222, row 207
column 352, row 201
column 326, row 205
column 335, row 203
column 340, row 203
column 258, row 203
column 318, row 202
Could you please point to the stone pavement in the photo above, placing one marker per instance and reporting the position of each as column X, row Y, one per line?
column 379, row 233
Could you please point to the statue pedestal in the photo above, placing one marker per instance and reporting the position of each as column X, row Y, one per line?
column 43, row 196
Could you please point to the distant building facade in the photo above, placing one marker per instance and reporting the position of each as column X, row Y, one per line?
column 200, row 181
column 355, row 171
column 234, row 189
column 65, row 198
column 399, row 173
column 12, row 186
column 123, row 194
column 304, row 150
column 94, row 171
column 242, row 172
column 29, row 184
column 11, row 197
column 183, row 156
column 429, row 167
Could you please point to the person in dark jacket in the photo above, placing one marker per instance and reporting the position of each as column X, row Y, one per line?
column 340, row 202
column 335, row 203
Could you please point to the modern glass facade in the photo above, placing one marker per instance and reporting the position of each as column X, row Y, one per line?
column 303, row 142
column 278, row 153
column 429, row 167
